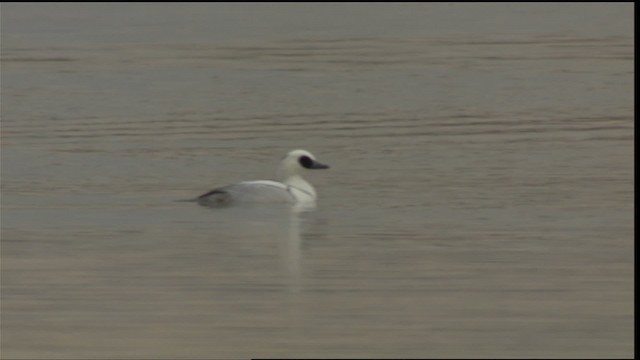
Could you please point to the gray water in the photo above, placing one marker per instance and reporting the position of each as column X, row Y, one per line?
column 479, row 201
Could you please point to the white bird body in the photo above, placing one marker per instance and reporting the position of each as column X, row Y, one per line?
column 293, row 188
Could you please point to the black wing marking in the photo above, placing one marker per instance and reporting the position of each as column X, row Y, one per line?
column 214, row 191
column 215, row 198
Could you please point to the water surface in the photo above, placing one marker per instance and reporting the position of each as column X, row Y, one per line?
column 479, row 201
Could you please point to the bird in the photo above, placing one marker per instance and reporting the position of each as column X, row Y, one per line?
column 292, row 188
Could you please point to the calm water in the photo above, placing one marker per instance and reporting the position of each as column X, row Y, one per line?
column 479, row 202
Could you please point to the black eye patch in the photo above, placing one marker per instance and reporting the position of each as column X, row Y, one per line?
column 305, row 161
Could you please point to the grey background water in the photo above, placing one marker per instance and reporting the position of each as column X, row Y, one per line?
column 479, row 202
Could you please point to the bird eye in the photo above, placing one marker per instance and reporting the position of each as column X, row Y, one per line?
column 305, row 161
